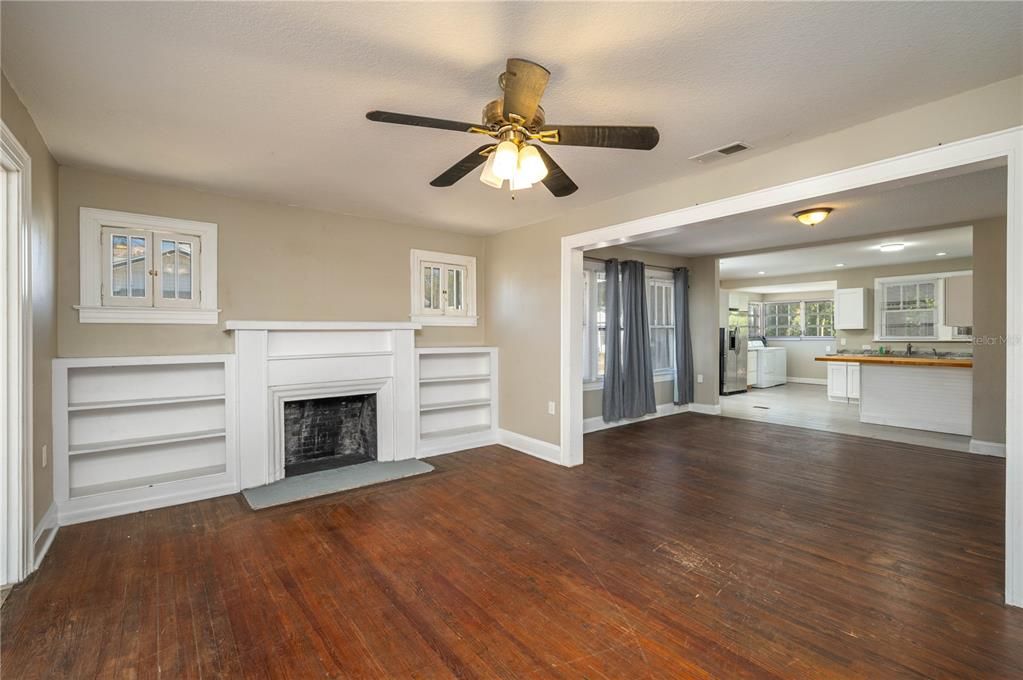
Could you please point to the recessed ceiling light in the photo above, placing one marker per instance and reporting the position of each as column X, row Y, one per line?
column 761, row 273
column 811, row 217
column 840, row 264
column 941, row 254
column 891, row 247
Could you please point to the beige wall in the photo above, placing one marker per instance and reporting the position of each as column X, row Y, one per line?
column 989, row 313
column 275, row 262
column 523, row 268
column 664, row 392
column 44, row 281
column 988, row 321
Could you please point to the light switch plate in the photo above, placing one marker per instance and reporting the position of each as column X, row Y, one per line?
column 551, row 407
column 841, row 341
column 699, row 377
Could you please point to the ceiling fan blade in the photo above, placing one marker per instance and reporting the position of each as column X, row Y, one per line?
column 608, row 136
column 556, row 181
column 419, row 121
column 524, row 83
column 461, row 168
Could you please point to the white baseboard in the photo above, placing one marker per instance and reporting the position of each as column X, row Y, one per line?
column 453, row 444
column 808, row 381
column 597, row 423
column 706, row 409
column 137, row 500
column 534, row 447
column 45, row 532
column 987, row 448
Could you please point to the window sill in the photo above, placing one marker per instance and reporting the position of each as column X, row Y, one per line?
column 445, row 320
column 591, row 385
column 147, row 315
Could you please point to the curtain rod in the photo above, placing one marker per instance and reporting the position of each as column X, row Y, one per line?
column 649, row 266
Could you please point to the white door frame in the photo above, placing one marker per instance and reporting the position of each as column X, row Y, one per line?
column 1006, row 144
column 16, row 361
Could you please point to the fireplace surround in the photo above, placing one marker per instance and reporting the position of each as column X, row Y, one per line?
column 281, row 362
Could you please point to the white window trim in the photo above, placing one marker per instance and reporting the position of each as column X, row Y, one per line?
column 945, row 333
column 90, row 307
column 418, row 315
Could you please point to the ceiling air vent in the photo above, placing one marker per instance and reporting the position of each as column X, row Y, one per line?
column 720, row 152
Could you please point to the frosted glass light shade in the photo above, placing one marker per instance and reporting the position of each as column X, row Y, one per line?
column 487, row 176
column 531, row 165
column 506, row 159
column 519, row 181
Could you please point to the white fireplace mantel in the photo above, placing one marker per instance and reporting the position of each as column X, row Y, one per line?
column 281, row 360
column 322, row 326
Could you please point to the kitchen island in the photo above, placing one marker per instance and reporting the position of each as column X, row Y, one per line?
column 920, row 392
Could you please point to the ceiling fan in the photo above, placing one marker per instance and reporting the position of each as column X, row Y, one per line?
column 513, row 122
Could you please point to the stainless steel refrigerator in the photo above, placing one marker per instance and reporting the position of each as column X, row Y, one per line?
column 734, row 341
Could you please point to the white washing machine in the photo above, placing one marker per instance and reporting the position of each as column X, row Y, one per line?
column 767, row 366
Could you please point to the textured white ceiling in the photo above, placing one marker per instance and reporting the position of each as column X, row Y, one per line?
column 895, row 209
column 920, row 247
column 268, row 100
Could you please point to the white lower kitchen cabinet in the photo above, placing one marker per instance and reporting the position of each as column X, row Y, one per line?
column 843, row 381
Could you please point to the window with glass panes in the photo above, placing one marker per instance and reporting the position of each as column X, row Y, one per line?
column 149, row 269
column 909, row 309
column 661, row 317
column 819, row 319
column 783, row 319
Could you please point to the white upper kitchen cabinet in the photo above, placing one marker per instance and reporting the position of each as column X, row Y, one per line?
column 959, row 300
column 851, row 309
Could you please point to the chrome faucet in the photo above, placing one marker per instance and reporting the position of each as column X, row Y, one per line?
column 909, row 349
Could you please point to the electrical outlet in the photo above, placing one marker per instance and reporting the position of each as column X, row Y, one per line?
column 866, row 347
column 552, row 408
column 827, row 349
column 46, row 454
column 699, row 377
column 841, row 341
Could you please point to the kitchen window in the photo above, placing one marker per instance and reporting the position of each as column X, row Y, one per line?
column 803, row 319
column 756, row 319
column 443, row 289
column 146, row 269
column 909, row 308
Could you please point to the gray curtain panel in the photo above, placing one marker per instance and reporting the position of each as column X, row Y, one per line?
column 637, row 366
column 613, row 386
column 684, row 389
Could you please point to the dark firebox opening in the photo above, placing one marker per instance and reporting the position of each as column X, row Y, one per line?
column 320, row 434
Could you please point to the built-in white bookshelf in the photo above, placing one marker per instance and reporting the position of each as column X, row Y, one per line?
column 457, row 398
column 135, row 433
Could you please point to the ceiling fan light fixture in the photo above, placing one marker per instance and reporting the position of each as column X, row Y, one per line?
column 812, row 216
column 506, row 159
column 487, row 176
column 531, row 165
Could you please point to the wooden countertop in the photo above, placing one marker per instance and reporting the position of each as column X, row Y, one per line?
column 950, row 362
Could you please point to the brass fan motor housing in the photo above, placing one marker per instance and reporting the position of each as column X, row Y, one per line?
column 493, row 117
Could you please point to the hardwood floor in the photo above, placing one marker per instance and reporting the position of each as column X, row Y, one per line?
column 688, row 546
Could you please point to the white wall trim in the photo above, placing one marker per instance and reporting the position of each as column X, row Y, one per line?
column 455, row 444
column 706, row 409
column 417, row 314
column 807, row 381
column 90, row 305
column 1007, row 144
column 534, row 447
column 16, row 363
column 987, row 448
column 44, row 534
column 597, row 423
